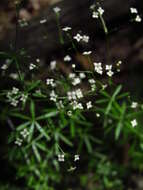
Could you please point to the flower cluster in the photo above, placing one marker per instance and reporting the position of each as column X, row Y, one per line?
column 135, row 11
column 32, row 66
column 78, row 37
column 98, row 68
column 23, row 22
column 109, row 70
column 96, row 14
column 14, row 96
column 51, row 82
column 53, row 96
column 61, row 157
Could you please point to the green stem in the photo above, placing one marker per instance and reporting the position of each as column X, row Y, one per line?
column 59, row 29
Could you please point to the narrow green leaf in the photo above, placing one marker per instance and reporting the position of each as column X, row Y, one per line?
column 65, row 140
column 21, row 116
column 42, row 131
column 31, row 132
column 88, row 144
column 32, row 109
column 22, row 126
column 36, row 152
column 120, row 123
column 118, row 89
column 48, row 115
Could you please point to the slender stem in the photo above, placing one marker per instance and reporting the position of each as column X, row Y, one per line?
column 103, row 24
column 59, row 29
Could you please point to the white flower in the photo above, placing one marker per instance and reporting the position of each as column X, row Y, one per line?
column 15, row 90
column 89, row 105
column 23, row 97
column 97, row 115
column 4, row 66
column 138, row 18
column 24, row 133
column 76, row 81
column 134, row 123
column 95, row 14
column 50, row 82
column 82, row 75
column 38, row 60
column 43, row 21
column 92, row 6
column 71, row 95
column 104, row 86
column 133, row 10
column 53, row 96
column 53, row 65
column 67, row 58
column 98, row 68
column 85, row 38
column 134, row 104
column 76, row 105
column 66, row 28
column 78, row 37
column 76, row 157
column 61, row 158
column 100, row 10
column 57, row 9
column 110, row 73
column 23, row 22
column 14, row 75
column 32, row 66
column 91, row 81
column 108, row 67
column 87, row 52
column 73, row 66
column 14, row 102
column 72, row 75
column 79, row 93
column 60, row 104
column 18, row 141
column 119, row 63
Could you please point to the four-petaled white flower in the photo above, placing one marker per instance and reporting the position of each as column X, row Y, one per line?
column 61, row 157
column 53, row 96
column 76, row 157
column 134, row 123
column 134, row 104
column 108, row 67
column 85, row 38
column 18, row 141
column 78, row 37
column 133, row 10
column 82, row 75
column 95, row 14
column 89, row 105
column 110, row 73
column 57, row 9
column 100, row 10
column 53, row 65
